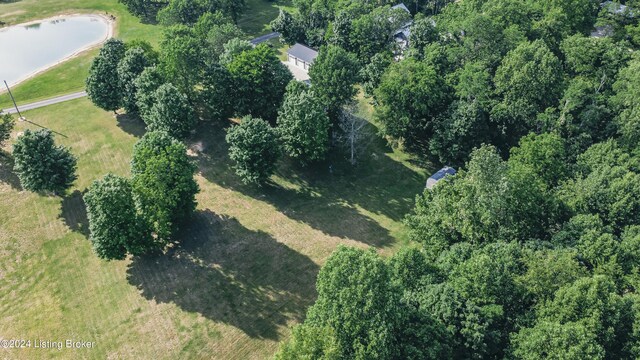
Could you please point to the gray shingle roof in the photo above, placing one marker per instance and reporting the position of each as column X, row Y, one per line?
column 303, row 53
column 443, row 172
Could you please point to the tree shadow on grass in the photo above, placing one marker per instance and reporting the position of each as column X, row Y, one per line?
column 229, row 274
column 329, row 201
column 131, row 124
column 73, row 212
column 7, row 176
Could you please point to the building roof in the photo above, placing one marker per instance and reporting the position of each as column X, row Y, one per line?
column 401, row 6
column 439, row 175
column 303, row 53
column 443, row 172
column 617, row 8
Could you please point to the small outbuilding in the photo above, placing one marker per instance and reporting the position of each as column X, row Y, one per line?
column 302, row 56
column 439, row 175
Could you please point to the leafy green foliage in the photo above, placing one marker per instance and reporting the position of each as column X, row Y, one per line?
column 162, row 180
column 334, row 75
column 187, row 12
column 355, row 285
column 627, row 89
column 146, row 86
column 146, row 9
column 214, row 94
column 181, row 58
column 303, row 125
column 253, row 145
column 7, row 123
column 259, row 82
column 530, row 80
column 171, row 113
column 41, row 165
column 103, row 84
column 130, row 67
column 116, row 229
column 289, row 27
column 410, row 95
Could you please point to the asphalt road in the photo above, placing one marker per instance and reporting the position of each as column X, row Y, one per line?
column 47, row 102
column 264, row 38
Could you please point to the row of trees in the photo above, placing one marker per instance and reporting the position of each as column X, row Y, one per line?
column 206, row 72
column 170, row 12
column 143, row 213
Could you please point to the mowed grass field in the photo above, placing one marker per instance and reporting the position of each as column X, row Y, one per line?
column 241, row 275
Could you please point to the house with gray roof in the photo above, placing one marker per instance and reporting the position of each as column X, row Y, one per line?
column 439, row 175
column 302, row 56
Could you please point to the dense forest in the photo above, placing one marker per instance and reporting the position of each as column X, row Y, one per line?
column 530, row 251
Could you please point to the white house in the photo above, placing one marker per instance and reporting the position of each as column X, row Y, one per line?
column 302, row 56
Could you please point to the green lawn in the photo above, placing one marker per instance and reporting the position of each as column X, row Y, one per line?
column 242, row 274
column 260, row 13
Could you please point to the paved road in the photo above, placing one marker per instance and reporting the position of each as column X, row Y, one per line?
column 42, row 103
column 63, row 98
column 264, row 38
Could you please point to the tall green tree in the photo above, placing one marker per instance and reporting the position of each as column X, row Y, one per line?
column 146, row 86
column 529, row 80
column 146, row 9
column 410, row 95
column 116, row 229
column 354, row 285
column 130, row 67
column 171, row 113
column 7, row 124
column 103, row 84
column 259, row 82
column 253, row 146
column 181, row 58
column 41, row 165
column 163, row 185
column 627, row 91
column 303, row 125
column 334, row 75
column 289, row 26
column 214, row 94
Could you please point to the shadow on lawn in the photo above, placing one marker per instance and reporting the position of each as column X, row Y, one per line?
column 230, row 274
column 73, row 212
column 326, row 201
column 131, row 124
column 7, row 176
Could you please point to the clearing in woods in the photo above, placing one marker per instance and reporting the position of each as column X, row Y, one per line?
column 240, row 275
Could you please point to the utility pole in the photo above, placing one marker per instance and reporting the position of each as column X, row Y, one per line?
column 14, row 100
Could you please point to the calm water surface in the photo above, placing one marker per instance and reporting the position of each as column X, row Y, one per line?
column 25, row 49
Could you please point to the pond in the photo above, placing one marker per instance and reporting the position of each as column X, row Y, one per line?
column 33, row 47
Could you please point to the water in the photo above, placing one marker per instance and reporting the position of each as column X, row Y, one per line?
column 27, row 49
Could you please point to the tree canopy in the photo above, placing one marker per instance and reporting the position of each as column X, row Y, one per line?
column 41, row 165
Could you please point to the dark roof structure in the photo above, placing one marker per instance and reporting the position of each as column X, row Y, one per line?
column 439, row 175
column 303, row 53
